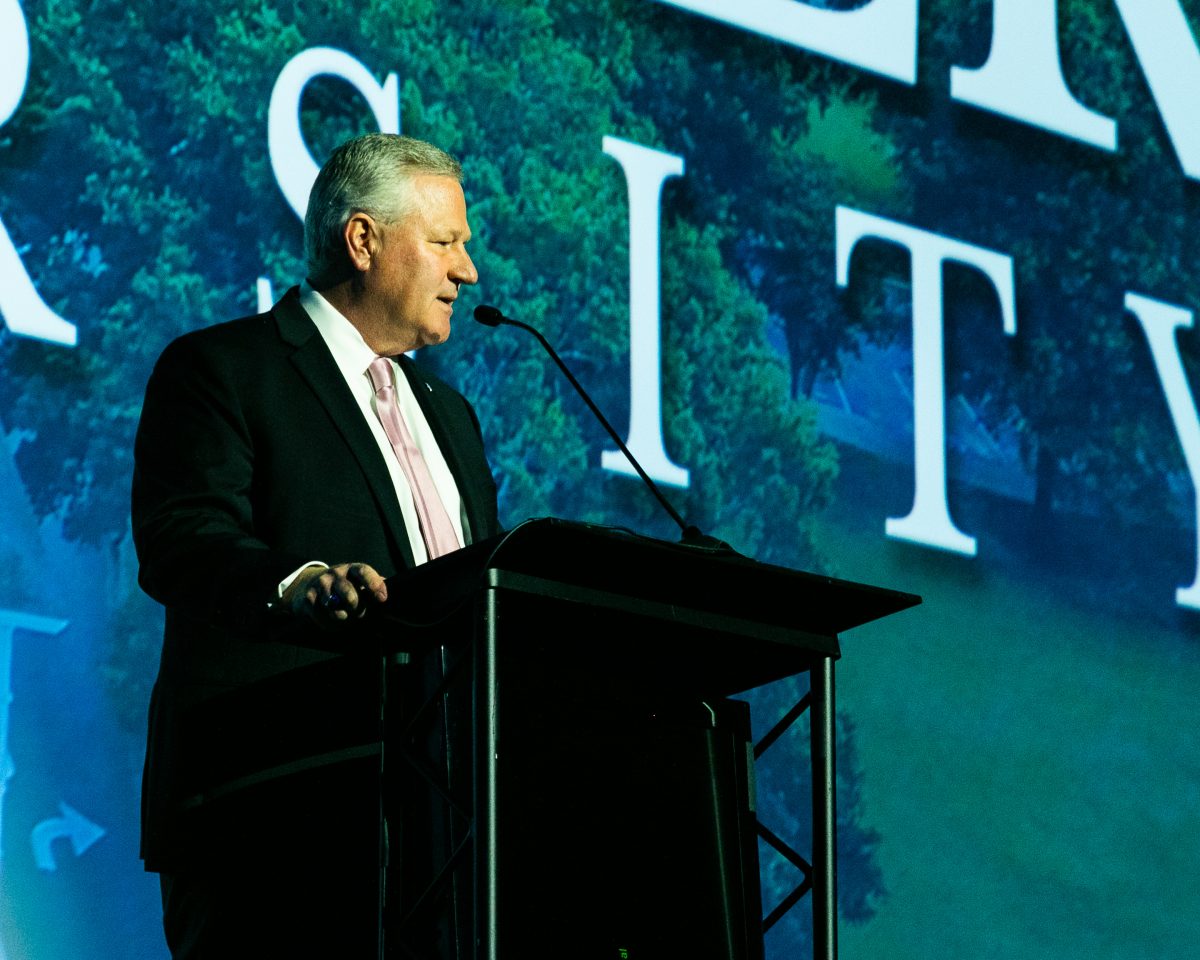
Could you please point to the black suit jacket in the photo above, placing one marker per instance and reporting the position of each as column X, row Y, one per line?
column 251, row 459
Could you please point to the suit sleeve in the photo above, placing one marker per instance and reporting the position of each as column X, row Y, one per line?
column 193, row 488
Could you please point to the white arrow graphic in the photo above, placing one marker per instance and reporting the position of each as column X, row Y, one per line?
column 73, row 825
column 10, row 622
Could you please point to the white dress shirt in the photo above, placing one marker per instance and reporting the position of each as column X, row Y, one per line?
column 353, row 356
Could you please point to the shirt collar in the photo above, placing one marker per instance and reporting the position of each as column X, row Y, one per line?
column 349, row 349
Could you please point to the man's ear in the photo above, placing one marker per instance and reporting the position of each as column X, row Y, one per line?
column 359, row 236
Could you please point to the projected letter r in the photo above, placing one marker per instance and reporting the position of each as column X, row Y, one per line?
column 21, row 305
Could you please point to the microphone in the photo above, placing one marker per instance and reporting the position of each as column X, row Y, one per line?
column 490, row 316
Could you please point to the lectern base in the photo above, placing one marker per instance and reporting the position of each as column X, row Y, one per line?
column 628, row 832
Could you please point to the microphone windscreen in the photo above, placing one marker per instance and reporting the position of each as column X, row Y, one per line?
column 488, row 316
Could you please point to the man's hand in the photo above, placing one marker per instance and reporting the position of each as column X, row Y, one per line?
column 330, row 596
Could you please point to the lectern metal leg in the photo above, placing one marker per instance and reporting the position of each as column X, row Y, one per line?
column 485, row 819
column 824, row 890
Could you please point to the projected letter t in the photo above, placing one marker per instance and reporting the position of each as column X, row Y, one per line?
column 929, row 520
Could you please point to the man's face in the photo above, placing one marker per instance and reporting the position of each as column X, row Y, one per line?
column 420, row 263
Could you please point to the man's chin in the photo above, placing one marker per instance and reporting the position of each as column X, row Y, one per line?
column 432, row 336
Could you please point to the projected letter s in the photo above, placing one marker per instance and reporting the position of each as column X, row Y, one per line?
column 22, row 307
column 295, row 169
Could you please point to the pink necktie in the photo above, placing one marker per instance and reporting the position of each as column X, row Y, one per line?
column 436, row 528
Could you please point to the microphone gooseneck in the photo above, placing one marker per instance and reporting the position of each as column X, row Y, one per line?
column 490, row 316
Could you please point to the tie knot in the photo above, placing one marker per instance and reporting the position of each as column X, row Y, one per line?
column 380, row 372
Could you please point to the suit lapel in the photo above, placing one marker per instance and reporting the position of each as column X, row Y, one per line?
column 316, row 366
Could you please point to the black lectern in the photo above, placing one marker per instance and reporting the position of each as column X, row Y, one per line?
column 589, row 784
column 545, row 727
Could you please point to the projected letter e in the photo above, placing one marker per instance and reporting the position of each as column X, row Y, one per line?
column 880, row 35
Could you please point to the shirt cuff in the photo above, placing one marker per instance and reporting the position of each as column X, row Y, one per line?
column 291, row 577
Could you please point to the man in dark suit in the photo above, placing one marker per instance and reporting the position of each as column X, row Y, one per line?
column 272, row 498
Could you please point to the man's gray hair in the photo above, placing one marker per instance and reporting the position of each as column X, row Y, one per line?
column 370, row 174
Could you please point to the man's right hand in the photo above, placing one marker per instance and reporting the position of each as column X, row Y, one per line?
column 331, row 596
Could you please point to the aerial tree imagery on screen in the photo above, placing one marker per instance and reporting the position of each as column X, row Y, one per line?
column 988, row 761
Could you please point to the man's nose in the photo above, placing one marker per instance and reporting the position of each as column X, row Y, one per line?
column 463, row 270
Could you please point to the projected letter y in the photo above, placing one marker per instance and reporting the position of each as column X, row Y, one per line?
column 1161, row 321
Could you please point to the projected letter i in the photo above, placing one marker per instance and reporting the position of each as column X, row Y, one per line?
column 645, row 172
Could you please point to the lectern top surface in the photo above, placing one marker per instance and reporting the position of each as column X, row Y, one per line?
column 718, row 581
